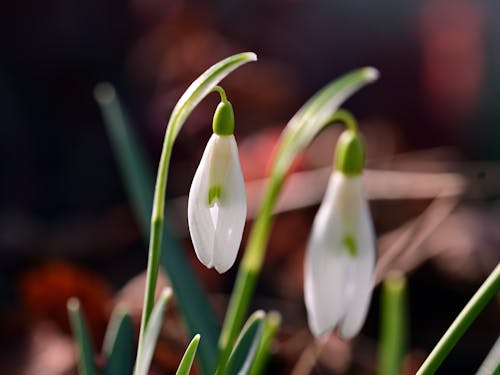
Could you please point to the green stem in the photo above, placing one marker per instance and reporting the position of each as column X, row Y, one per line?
column 253, row 257
column 470, row 312
column 299, row 132
column 195, row 93
column 392, row 325
column 249, row 270
column 222, row 93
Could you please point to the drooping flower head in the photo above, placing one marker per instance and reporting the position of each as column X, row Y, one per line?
column 341, row 249
column 217, row 199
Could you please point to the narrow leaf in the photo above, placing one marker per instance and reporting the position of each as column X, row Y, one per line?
column 243, row 353
column 188, row 357
column 146, row 351
column 491, row 364
column 118, row 347
column 134, row 167
column 191, row 299
column 80, row 332
column 272, row 323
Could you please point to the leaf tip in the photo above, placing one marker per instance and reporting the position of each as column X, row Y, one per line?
column 104, row 93
column 371, row 73
column 251, row 56
column 166, row 293
column 73, row 304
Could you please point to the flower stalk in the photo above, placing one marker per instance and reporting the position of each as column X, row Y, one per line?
column 300, row 131
column 478, row 302
column 195, row 93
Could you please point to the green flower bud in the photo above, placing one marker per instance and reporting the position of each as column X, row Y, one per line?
column 350, row 153
column 223, row 122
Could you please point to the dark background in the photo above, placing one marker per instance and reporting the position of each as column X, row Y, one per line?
column 62, row 203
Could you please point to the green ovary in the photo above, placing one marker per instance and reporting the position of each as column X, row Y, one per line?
column 350, row 244
column 214, row 193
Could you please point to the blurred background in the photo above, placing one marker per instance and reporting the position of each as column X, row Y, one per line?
column 431, row 125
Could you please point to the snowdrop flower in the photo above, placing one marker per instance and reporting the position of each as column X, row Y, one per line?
column 341, row 250
column 217, row 200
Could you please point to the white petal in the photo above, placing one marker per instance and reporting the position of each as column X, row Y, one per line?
column 201, row 225
column 232, row 213
column 362, row 276
column 338, row 284
column 325, row 266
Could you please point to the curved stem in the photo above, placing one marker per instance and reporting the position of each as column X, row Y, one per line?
column 221, row 92
column 470, row 312
column 299, row 132
column 195, row 93
column 253, row 257
column 345, row 117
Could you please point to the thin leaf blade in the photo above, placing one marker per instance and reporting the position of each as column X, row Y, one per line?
column 270, row 327
column 188, row 357
column 82, row 337
column 118, row 347
column 244, row 350
column 145, row 354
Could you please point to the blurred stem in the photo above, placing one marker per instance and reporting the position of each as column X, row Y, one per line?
column 393, row 327
column 253, row 257
column 470, row 312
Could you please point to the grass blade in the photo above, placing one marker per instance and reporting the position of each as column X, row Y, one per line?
column 80, row 332
column 188, row 357
column 191, row 299
column 491, row 364
column 245, row 348
column 118, row 347
column 477, row 303
column 271, row 325
column 145, row 355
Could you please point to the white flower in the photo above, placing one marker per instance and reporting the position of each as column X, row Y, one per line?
column 340, row 259
column 217, row 204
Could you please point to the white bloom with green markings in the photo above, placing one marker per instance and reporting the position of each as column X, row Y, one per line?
column 340, row 255
column 217, row 199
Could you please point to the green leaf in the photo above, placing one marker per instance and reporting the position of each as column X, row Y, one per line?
column 134, row 167
column 272, row 323
column 147, row 349
column 80, row 332
column 118, row 347
column 491, row 364
column 191, row 299
column 188, row 357
column 393, row 325
column 488, row 290
column 241, row 358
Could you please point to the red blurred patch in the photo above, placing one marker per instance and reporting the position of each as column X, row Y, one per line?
column 257, row 154
column 45, row 291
